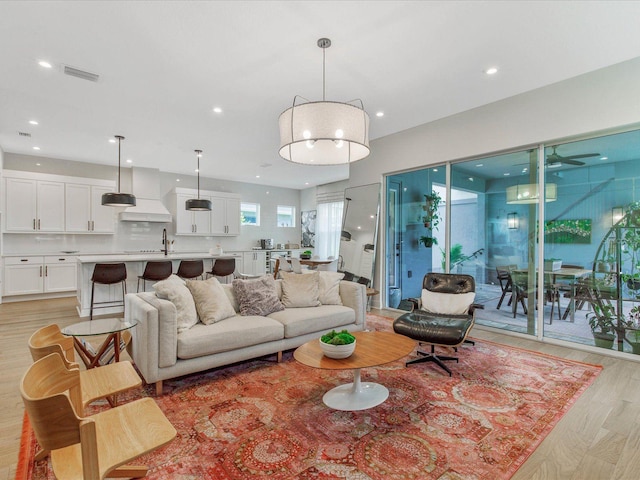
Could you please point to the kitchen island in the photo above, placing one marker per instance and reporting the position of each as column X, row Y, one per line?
column 135, row 263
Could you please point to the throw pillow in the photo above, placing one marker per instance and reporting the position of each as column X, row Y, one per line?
column 300, row 290
column 447, row 303
column 330, row 288
column 257, row 296
column 212, row 304
column 177, row 293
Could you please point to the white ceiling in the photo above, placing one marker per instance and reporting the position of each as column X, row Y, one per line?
column 163, row 66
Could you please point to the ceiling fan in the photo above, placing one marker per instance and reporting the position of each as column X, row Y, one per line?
column 555, row 158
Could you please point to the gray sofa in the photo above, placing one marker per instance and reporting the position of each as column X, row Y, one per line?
column 160, row 353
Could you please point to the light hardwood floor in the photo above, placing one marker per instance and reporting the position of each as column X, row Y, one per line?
column 598, row 439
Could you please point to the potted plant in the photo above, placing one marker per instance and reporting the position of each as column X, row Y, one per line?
column 431, row 218
column 455, row 256
column 306, row 255
column 338, row 344
column 632, row 327
column 602, row 323
column 428, row 241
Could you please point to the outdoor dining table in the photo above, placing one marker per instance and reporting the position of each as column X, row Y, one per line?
column 566, row 273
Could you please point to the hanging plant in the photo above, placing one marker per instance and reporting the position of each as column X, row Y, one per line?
column 428, row 241
column 431, row 218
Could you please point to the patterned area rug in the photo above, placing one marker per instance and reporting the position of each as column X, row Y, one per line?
column 261, row 419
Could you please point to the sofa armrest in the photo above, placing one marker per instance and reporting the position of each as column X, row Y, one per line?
column 155, row 340
column 354, row 295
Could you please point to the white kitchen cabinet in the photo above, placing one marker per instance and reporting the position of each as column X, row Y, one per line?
column 60, row 274
column 254, row 263
column 34, row 205
column 23, row 275
column 225, row 215
column 33, row 275
column 191, row 222
column 84, row 211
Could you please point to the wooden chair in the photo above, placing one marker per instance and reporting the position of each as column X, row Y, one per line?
column 103, row 382
column 504, row 278
column 91, row 447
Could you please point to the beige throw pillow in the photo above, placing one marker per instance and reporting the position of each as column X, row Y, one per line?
column 300, row 290
column 329, row 293
column 212, row 304
column 174, row 290
column 447, row 303
column 257, row 297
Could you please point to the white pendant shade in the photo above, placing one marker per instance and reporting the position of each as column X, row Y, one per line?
column 324, row 133
column 529, row 193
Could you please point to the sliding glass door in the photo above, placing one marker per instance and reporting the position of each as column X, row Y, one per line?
column 551, row 234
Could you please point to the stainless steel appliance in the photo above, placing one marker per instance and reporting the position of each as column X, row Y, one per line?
column 266, row 243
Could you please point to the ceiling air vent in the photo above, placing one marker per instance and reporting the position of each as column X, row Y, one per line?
column 24, row 134
column 74, row 72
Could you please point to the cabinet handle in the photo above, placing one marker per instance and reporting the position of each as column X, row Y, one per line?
column 24, row 259
column 38, row 224
column 34, row 223
column 46, row 271
column 93, row 225
column 40, row 270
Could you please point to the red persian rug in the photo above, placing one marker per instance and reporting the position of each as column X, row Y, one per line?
column 261, row 419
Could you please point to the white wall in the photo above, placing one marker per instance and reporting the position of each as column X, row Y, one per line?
column 595, row 102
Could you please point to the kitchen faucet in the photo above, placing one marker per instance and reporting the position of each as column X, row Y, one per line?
column 164, row 241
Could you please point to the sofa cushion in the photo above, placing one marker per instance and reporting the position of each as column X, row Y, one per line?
column 212, row 304
column 300, row 290
column 300, row 321
column 228, row 334
column 330, row 288
column 257, row 296
column 175, row 290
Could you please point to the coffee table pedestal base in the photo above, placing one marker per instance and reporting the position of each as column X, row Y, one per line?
column 356, row 396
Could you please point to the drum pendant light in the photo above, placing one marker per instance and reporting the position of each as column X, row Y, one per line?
column 118, row 199
column 324, row 132
column 198, row 204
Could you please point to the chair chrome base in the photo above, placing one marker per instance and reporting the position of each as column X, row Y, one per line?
column 432, row 357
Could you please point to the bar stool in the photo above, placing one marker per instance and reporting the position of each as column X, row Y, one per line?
column 190, row 269
column 223, row 267
column 155, row 271
column 108, row 274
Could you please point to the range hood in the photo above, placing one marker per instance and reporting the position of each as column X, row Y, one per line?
column 146, row 187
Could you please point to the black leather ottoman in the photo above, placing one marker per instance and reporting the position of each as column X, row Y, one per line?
column 436, row 329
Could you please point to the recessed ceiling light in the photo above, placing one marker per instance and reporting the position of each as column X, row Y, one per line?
column 480, row 165
column 37, row 164
column 379, row 114
column 506, row 174
column 257, row 176
column 36, row 148
column 372, row 216
column 33, row 122
column 197, row 170
column 604, row 158
column 491, row 71
column 217, row 110
column 435, row 169
column 306, row 183
column 44, row 64
column 177, row 179
column 471, row 179
column 555, row 165
column 112, row 140
column 267, row 192
column 129, row 160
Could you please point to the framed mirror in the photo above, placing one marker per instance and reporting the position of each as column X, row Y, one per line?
column 359, row 234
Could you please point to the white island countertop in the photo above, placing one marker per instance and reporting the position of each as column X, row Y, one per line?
column 144, row 256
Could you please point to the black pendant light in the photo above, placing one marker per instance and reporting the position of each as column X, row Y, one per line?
column 118, row 199
column 344, row 235
column 198, row 204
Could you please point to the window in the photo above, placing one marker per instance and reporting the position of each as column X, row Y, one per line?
column 286, row 216
column 250, row 214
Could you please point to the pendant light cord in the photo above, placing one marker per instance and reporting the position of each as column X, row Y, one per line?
column 198, row 152
column 324, row 66
column 120, row 138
